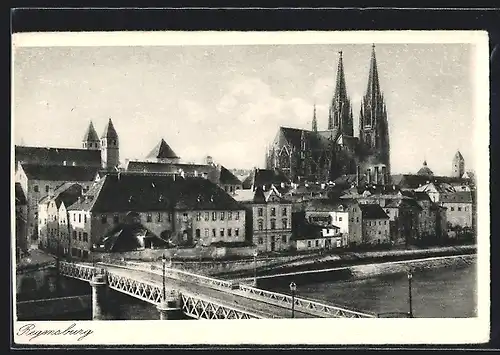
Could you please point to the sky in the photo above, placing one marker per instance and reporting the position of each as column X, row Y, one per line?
column 228, row 101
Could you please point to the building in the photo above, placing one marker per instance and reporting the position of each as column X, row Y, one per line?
column 39, row 181
column 311, row 236
column 459, row 208
column 323, row 155
column 424, row 170
column 163, row 160
column 458, row 165
column 182, row 210
column 264, row 178
column 269, row 218
column 21, row 205
column 375, row 224
column 53, row 227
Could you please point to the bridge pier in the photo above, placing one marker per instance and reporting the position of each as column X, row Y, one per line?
column 98, row 283
column 170, row 308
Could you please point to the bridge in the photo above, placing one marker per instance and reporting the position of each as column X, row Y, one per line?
column 196, row 296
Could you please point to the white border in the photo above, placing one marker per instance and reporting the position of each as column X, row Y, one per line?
column 298, row 331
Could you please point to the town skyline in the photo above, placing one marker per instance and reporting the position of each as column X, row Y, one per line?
column 229, row 101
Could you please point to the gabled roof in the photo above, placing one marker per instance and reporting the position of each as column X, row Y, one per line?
column 60, row 172
column 68, row 194
column 91, row 134
column 306, row 230
column 126, row 192
column 456, row 197
column 162, row 151
column 57, row 156
column 19, row 195
column 109, row 131
column 227, row 177
column 372, row 211
column 174, row 168
column 267, row 177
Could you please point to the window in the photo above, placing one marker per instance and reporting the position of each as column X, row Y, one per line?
column 385, row 222
column 104, row 219
column 261, row 241
column 198, row 233
column 379, row 223
column 260, row 212
column 340, row 219
column 237, row 216
column 158, row 217
column 84, row 218
column 85, row 237
column 273, row 211
column 273, row 223
column 80, row 236
column 284, row 211
column 260, row 224
column 74, row 235
column 74, row 217
column 185, row 217
column 285, row 223
column 222, row 232
column 47, row 188
column 206, row 232
column 149, row 217
column 214, row 216
column 283, row 239
column 459, row 209
column 222, row 216
column 357, row 219
column 35, row 188
column 229, row 232
column 79, row 217
column 198, row 216
column 452, row 208
column 230, row 215
column 309, row 244
column 214, row 233
column 465, row 209
column 207, row 216
column 116, row 219
column 317, row 243
column 236, row 232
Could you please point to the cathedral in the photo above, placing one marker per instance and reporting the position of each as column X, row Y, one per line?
column 322, row 156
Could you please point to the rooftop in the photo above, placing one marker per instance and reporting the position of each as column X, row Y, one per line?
column 372, row 211
column 60, row 172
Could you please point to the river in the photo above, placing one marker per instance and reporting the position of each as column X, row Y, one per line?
column 444, row 292
column 441, row 292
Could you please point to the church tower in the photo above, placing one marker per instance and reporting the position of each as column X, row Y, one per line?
column 91, row 139
column 110, row 152
column 314, row 121
column 340, row 114
column 458, row 165
column 373, row 123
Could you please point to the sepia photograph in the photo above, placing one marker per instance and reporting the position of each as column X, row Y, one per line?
column 304, row 178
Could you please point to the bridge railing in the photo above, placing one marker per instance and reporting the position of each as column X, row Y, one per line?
column 79, row 271
column 332, row 311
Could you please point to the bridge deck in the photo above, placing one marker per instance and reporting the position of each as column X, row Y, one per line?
column 233, row 298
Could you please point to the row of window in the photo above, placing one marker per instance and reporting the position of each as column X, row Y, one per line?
column 284, row 224
column 222, row 232
column 159, row 217
column 47, row 188
column 231, row 188
column 80, row 235
column 260, row 211
column 459, row 209
column 273, row 239
column 222, row 216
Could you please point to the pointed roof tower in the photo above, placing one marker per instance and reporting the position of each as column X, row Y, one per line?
column 458, row 156
column 340, row 116
column 162, row 151
column 91, row 134
column 373, row 88
column 314, row 120
column 109, row 131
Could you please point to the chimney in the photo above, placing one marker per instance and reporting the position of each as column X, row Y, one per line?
column 368, row 175
column 357, row 175
column 376, row 175
column 384, row 173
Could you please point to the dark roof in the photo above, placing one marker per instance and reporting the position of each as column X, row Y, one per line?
column 109, row 131
column 403, row 203
column 174, row 168
column 308, row 230
column 126, row 192
column 424, row 170
column 372, row 211
column 127, row 237
column 227, row 177
column 67, row 194
column 19, row 195
column 57, row 156
column 162, row 151
column 267, row 177
column 60, row 172
column 414, row 181
column 458, row 155
column 459, row 196
column 91, row 134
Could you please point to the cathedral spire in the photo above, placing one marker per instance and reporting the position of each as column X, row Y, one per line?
column 340, row 110
column 314, row 120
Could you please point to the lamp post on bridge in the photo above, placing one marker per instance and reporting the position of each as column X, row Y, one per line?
column 164, row 260
column 255, row 253
column 410, row 276
column 293, row 288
